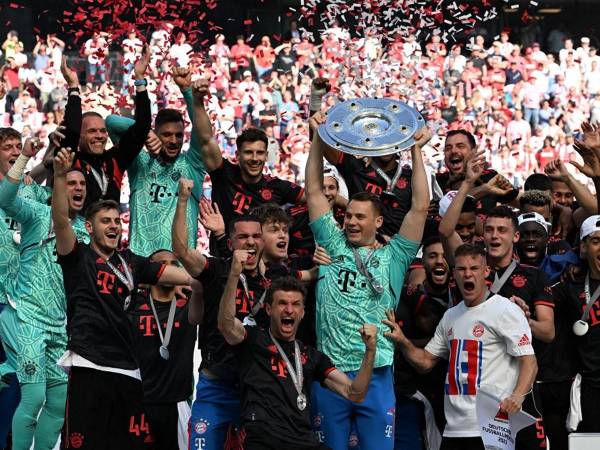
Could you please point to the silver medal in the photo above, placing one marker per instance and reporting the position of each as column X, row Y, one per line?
column 301, row 402
column 127, row 302
column 17, row 237
column 580, row 328
column 164, row 352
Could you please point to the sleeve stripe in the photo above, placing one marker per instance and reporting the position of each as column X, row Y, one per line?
column 160, row 271
column 328, row 371
column 543, row 303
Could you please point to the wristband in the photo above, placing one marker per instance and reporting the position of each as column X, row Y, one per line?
column 138, row 83
column 16, row 171
column 316, row 98
column 73, row 91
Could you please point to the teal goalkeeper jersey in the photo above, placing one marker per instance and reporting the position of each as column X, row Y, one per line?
column 38, row 287
column 346, row 300
column 10, row 233
column 153, row 185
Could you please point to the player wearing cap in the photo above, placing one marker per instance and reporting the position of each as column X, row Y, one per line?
column 38, row 307
column 237, row 188
column 487, row 342
column 581, row 295
column 154, row 175
column 104, row 405
column 277, row 370
column 164, row 341
column 533, row 238
column 359, row 286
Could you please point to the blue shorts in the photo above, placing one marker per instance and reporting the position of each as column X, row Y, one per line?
column 217, row 406
column 333, row 415
column 410, row 422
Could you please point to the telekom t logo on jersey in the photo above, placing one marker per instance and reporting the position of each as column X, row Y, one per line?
column 241, row 202
column 464, row 367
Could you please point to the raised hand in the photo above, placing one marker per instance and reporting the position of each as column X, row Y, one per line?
column 63, row 161
column 238, row 260
column 185, row 188
column 153, row 143
column 368, row 333
column 139, row 70
column 69, row 74
column 422, row 137
column 200, row 88
column 556, row 170
column 589, row 149
column 211, row 218
column 316, row 119
column 499, row 185
column 31, row 147
column 321, row 84
column 182, row 77
column 57, row 135
column 395, row 334
column 474, row 167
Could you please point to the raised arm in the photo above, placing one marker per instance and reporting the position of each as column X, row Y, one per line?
column 65, row 236
column 419, row 358
column 318, row 89
column 356, row 390
column 450, row 238
column 557, row 171
column 133, row 139
column 230, row 326
column 192, row 260
column 315, row 198
column 211, row 153
column 589, row 149
column 9, row 187
column 73, row 119
column 414, row 222
column 183, row 78
column 196, row 308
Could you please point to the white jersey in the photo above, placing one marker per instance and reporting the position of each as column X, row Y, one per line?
column 481, row 344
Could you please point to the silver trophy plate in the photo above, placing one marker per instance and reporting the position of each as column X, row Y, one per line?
column 371, row 126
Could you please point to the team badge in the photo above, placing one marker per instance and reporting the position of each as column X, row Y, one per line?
column 266, row 194
column 29, row 368
column 374, row 263
column 200, row 427
column 76, row 440
column 317, row 421
column 402, row 183
column 450, row 332
column 518, row 281
column 175, row 176
column 478, row 330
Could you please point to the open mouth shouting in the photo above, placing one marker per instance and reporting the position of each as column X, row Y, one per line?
column 112, row 237
column 77, row 201
column 439, row 274
column 468, row 287
column 251, row 260
column 287, row 324
column 455, row 164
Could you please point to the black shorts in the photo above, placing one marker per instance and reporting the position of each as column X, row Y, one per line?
column 104, row 411
column 163, row 419
column 257, row 437
column 590, row 406
column 532, row 437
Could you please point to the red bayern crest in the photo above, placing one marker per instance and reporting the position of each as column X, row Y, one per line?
column 518, row 281
column 478, row 330
column 266, row 194
column 402, row 183
column 76, row 440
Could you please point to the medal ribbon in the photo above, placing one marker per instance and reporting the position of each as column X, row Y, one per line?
column 362, row 268
column 101, row 181
column 297, row 377
column 390, row 182
column 589, row 299
column 166, row 338
column 127, row 278
column 499, row 282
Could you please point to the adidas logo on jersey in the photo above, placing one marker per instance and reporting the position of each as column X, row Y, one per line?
column 524, row 341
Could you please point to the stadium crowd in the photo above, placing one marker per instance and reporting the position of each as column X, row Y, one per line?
column 328, row 284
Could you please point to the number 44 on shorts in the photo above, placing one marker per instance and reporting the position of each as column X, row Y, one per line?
column 142, row 427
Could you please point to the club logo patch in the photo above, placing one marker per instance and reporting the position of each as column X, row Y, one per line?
column 518, row 281
column 200, row 427
column 266, row 194
column 478, row 330
column 76, row 440
column 29, row 368
column 402, row 183
column 175, row 176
